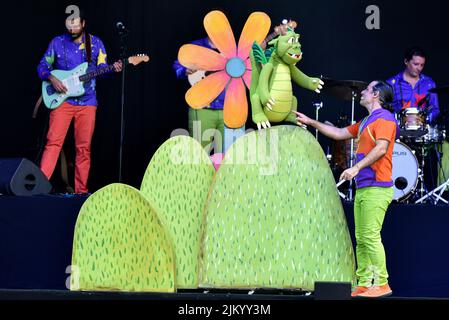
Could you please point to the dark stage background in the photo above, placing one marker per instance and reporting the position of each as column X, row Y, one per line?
column 333, row 35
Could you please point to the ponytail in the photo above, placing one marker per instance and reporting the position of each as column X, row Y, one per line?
column 385, row 95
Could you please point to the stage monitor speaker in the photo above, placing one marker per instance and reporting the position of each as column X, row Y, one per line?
column 21, row 177
column 332, row 291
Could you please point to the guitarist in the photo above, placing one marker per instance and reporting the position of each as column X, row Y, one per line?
column 66, row 52
column 202, row 121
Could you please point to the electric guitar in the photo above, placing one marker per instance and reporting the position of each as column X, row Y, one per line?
column 74, row 80
column 199, row 75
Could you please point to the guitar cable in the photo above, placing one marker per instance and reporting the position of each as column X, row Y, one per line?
column 41, row 141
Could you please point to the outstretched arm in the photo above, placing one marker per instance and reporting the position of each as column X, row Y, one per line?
column 304, row 81
column 329, row 131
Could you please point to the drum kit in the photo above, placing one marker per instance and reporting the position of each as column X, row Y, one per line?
column 417, row 136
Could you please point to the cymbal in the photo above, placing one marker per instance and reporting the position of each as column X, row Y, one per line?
column 444, row 89
column 343, row 89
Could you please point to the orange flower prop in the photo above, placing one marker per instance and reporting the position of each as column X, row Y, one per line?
column 231, row 67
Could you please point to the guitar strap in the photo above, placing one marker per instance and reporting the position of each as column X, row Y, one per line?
column 88, row 47
column 36, row 107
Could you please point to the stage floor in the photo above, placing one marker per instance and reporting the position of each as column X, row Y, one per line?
column 36, row 235
column 184, row 296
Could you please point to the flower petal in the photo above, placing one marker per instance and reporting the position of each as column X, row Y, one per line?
column 256, row 29
column 248, row 74
column 247, row 79
column 220, row 33
column 207, row 90
column 199, row 58
column 236, row 104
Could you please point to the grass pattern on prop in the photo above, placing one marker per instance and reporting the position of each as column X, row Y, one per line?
column 121, row 245
column 274, row 218
column 177, row 182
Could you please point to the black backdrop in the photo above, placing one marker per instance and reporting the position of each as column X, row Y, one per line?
column 333, row 34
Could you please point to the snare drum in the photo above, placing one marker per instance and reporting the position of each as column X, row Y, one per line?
column 405, row 171
column 412, row 123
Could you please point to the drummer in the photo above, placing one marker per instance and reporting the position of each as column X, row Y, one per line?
column 411, row 86
column 411, row 90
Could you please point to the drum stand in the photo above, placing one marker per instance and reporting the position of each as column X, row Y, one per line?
column 422, row 191
column 438, row 192
column 351, row 160
column 346, row 90
column 342, row 195
column 350, row 196
column 318, row 106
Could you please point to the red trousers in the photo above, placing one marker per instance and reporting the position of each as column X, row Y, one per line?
column 60, row 120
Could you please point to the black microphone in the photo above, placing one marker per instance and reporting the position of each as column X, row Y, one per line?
column 121, row 27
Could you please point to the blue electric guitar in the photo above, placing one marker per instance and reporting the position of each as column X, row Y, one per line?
column 74, row 79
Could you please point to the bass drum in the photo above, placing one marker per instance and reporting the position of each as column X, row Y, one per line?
column 405, row 171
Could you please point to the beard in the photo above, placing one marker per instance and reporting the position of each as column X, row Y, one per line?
column 76, row 35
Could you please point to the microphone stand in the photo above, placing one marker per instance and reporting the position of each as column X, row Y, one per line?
column 123, row 34
column 318, row 106
column 352, row 158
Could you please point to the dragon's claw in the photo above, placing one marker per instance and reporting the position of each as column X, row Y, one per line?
column 270, row 103
column 264, row 125
column 302, row 125
column 261, row 120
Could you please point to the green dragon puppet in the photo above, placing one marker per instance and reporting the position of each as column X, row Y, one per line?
column 271, row 91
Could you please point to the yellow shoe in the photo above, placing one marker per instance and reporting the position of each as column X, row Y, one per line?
column 359, row 290
column 377, row 292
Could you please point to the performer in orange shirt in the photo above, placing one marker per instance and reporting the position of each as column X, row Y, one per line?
column 376, row 135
